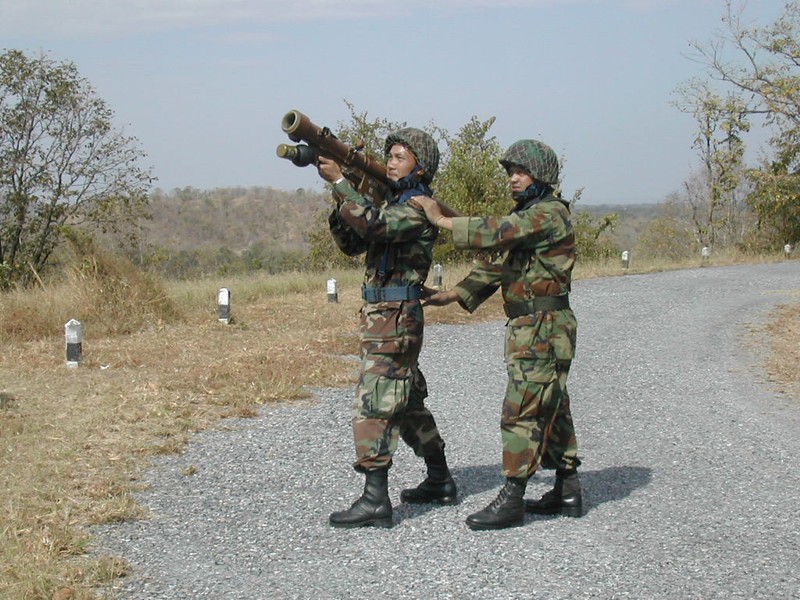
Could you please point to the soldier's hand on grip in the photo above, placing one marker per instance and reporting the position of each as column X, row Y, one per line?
column 329, row 169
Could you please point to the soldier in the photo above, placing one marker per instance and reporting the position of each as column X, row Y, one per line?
column 535, row 247
column 389, row 399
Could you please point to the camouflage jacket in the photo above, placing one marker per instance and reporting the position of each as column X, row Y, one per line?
column 535, row 253
column 397, row 238
column 536, row 247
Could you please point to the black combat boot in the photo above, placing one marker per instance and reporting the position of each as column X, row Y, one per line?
column 564, row 499
column 438, row 486
column 372, row 508
column 507, row 510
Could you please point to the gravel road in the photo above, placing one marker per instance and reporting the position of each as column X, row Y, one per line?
column 691, row 471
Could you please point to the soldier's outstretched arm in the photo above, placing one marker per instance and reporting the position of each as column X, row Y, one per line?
column 437, row 298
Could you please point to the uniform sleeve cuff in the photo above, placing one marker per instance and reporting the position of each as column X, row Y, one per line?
column 461, row 232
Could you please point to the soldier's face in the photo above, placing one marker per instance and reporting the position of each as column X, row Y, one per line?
column 400, row 162
column 519, row 178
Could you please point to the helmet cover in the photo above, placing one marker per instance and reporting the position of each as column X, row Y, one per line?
column 537, row 158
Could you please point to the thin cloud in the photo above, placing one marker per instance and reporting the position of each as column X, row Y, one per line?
column 56, row 18
column 104, row 19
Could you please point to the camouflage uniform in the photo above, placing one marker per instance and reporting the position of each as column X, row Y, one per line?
column 398, row 241
column 535, row 248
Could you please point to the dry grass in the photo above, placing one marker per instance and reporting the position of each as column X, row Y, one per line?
column 638, row 265
column 157, row 366
column 72, row 441
column 783, row 364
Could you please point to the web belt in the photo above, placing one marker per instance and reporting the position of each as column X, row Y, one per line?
column 538, row 304
column 391, row 294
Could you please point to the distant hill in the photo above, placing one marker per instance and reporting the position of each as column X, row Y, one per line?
column 235, row 218
column 190, row 220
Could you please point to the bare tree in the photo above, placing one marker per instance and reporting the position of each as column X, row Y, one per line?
column 763, row 63
column 713, row 195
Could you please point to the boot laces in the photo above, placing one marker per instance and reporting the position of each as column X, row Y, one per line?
column 506, row 493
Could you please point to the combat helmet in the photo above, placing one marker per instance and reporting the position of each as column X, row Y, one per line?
column 421, row 144
column 536, row 157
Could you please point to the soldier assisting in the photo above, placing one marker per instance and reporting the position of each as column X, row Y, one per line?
column 535, row 248
column 389, row 399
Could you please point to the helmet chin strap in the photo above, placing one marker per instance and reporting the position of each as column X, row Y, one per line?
column 535, row 191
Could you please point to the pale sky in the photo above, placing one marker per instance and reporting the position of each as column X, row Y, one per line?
column 203, row 84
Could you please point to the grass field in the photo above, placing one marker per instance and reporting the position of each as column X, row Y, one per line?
column 157, row 366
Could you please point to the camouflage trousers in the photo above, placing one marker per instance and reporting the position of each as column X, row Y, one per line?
column 536, row 426
column 536, row 423
column 389, row 400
